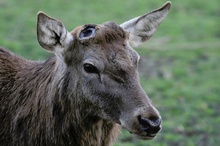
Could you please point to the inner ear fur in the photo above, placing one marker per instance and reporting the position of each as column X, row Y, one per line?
column 51, row 33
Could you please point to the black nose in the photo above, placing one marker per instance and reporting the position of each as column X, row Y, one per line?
column 150, row 125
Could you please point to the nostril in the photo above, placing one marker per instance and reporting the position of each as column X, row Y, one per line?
column 155, row 121
column 150, row 125
column 152, row 121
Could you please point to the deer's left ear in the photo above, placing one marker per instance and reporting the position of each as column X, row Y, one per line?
column 51, row 33
column 142, row 28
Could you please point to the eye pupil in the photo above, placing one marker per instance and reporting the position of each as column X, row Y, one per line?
column 89, row 68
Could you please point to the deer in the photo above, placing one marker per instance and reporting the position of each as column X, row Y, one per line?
column 86, row 92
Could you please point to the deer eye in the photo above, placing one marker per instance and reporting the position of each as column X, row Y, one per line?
column 86, row 33
column 90, row 68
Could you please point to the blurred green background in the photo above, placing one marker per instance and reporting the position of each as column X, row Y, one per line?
column 179, row 69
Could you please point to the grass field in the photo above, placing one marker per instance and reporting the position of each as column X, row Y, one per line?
column 179, row 68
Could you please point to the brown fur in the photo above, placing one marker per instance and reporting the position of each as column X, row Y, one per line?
column 36, row 108
column 61, row 102
column 34, row 112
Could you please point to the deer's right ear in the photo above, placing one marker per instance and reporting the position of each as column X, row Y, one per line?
column 51, row 33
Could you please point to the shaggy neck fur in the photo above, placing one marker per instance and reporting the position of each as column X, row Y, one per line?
column 46, row 111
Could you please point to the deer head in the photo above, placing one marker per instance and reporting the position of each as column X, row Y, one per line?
column 105, row 66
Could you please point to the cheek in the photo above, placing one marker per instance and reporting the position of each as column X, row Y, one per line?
column 107, row 98
column 103, row 92
column 109, row 106
column 92, row 88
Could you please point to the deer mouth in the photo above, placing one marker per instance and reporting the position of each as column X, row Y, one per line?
column 144, row 136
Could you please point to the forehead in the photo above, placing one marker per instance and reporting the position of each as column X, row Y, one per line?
column 110, row 32
column 105, row 33
column 110, row 41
